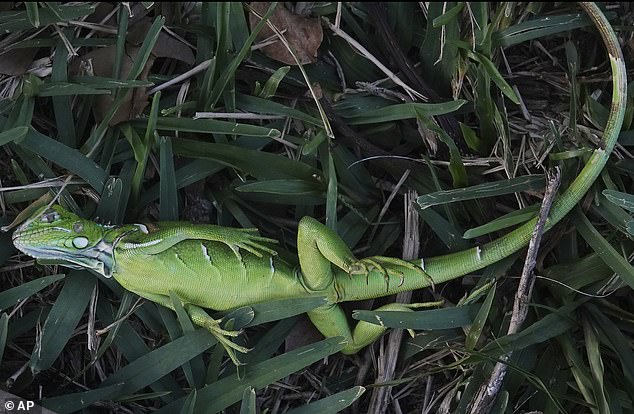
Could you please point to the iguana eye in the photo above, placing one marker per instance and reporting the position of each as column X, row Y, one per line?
column 80, row 242
column 49, row 216
column 78, row 227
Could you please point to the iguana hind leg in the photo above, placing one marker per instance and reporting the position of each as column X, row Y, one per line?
column 318, row 248
column 331, row 321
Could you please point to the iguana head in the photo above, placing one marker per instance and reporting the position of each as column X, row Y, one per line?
column 55, row 235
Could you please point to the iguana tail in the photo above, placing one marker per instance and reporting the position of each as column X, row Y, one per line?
column 454, row 265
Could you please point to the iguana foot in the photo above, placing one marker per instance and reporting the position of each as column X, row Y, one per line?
column 386, row 266
column 223, row 337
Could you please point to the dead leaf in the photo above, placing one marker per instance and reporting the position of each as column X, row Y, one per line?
column 16, row 61
column 100, row 62
column 103, row 10
column 303, row 34
column 166, row 46
column 170, row 47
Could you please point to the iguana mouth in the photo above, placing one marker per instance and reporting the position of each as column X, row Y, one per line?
column 99, row 258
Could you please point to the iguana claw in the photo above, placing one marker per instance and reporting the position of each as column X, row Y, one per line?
column 250, row 241
column 222, row 335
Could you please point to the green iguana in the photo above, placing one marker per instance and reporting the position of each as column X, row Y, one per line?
column 221, row 268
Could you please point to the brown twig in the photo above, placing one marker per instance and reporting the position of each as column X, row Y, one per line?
column 489, row 391
column 389, row 353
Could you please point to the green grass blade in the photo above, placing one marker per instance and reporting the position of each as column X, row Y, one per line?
column 62, row 104
column 66, row 157
column 194, row 369
column 331, row 405
column 264, row 106
column 146, row 47
column 110, row 208
column 212, row 126
column 399, row 112
column 447, row 16
column 14, row 21
column 4, row 330
column 139, row 63
column 270, row 87
column 99, row 82
column 623, row 200
column 496, row 76
column 257, row 163
column 332, row 190
column 428, row 320
column 28, row 322
column 190, row 173
column 168, row 189
column 616, row 216
column 122, row 28
column 281, row 309
column 62, row 320
column 133, row 346
column 229, row 72
column 190, row 403
column 478, row 324
column 439, row 42
column 511, row 219
column 456, row 166
column 445, row 230
column 70, row 403
column 124, row 306
column 604, row 249
column 270, row 342
column 13, row 135
column 248, row 401
column 230, row 389
column 32, row 13
column 17, row 294
column 578, row 368
column 540, row 27
column 68, row 89
column 617, row 340
column 7, row 249
column 152, row 366
column 238, row 26
column 142, row 147
column 282, row 187
column 597, row 370
column 491, row 189
column 548, row 327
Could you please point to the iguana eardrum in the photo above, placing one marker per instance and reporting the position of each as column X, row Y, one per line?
column 221, row 268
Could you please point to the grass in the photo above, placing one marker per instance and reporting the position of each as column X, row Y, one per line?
column 413, row 129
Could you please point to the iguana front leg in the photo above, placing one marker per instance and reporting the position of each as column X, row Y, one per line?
column 154, row 239
column 318, row 249
column 202, row 319
column 331, row 321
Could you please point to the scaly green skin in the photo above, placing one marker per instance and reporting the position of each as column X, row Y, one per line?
column 222, row 268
